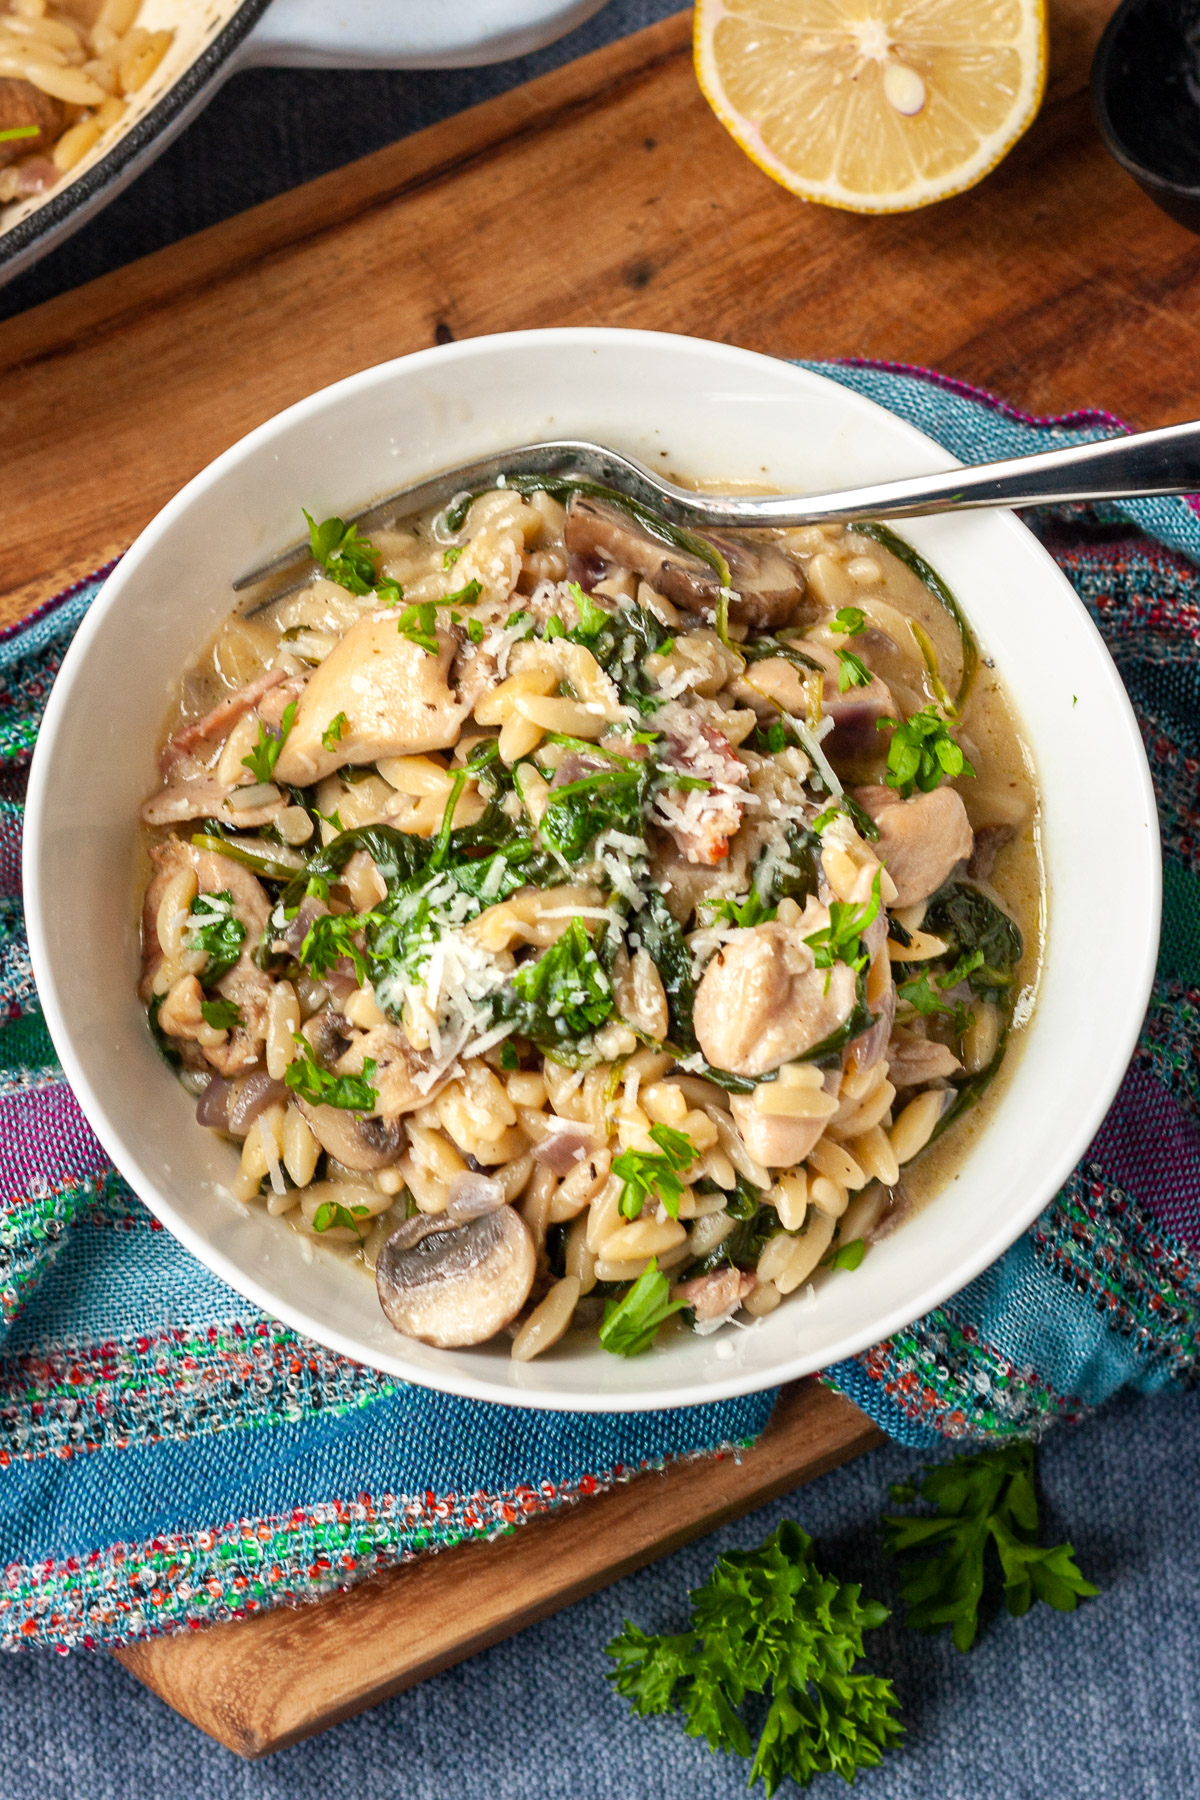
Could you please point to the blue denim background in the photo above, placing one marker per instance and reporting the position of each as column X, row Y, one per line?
column 1097, row 1705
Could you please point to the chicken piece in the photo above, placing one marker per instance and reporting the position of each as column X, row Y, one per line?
column 768, row 587
column 774, row 1141
column 397, row 1066
column 716, row 1294
column 207, row 732
column 920, row 840
column 855, row 714
column 394, row 697
column 203, row 797
column 762, row 1002
column 914, row 1060
column 23, row 104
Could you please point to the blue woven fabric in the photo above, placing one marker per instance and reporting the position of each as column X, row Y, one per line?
column 167, row 1454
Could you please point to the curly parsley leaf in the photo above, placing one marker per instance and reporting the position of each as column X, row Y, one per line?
column 979, row 1500
column 320, row 1087
column 840, row 940
column 419, row 624
column 335, row 731
column 350, row 560
column 649, row 1175
column 924, row 998
column 222, row 1015
column 265, row 754
column 852, row 671
column 332, row 1213
column 630, row 1324
column 921, row 752
column 851, row 620
column 768, row 1622
column 329, row 938
column 214, row 927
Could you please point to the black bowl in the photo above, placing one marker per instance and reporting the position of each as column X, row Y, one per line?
column 1146, row 100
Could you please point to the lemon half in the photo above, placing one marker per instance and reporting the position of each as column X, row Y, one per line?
column 873, row 105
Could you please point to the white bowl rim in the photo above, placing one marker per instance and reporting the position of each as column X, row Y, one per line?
column 1137, row 973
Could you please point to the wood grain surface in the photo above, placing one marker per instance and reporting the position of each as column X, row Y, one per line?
column 261, row 1683
column 604, row 193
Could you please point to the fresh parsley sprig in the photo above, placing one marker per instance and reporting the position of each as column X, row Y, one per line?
column 630, row 1324
column 852, row 671
column 350, row 560
column 419, row 623
column 841, row 939
column 265, row 754
column 981, row 1500
column 222, row 1015
column 320, row 1087
column 924, row 998
column 649, row 1175
column 921, row 752
column 329, row 938
column 768, row 1622
column 214, row 927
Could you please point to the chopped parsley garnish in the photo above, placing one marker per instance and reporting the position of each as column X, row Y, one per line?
column 647, row 1175
column 320, row 1087
column 215, row 928
column 464, row 596
column 852, row 671
column 846, row 1256
column 630, row 1324
column 768, row 1622
column 329, row 938
column 921, row 994
column 12, row 132
column 982, row 1500
column 332, row 1213
column 335, row 730
column 841, row 939
column 850, row 620
column 451, row 556
column 265, row 754
column 921, row 752
column 350, row 560
column 592, row 618
column 553, row 628
column 419, row 623
column 508, row 1055
column 222, row 1015
column 519, row 619
column 475, row 630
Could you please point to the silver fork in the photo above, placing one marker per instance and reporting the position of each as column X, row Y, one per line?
column 1142, row 463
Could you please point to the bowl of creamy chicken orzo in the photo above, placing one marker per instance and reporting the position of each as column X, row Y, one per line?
column 570, row 960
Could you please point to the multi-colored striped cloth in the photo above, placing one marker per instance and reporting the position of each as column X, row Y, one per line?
column 169, row 1456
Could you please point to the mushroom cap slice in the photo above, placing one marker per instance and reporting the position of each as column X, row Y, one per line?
column 768, row 585
column 360, row 1142
column 450, row 1285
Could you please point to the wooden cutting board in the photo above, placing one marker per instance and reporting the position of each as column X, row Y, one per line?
column 604, row 193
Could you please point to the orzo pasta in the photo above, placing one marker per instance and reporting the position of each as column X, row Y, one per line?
column 585, row 928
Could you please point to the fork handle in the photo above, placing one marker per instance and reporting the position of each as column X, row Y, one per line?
column 1142, row 463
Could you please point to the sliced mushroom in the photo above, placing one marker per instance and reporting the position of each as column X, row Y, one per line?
column 361, row 1143
column 23, row 104
column 248, row 1098
column 392, row 694
column 920, row 840
column 762, row 1002
column 767, row 584
column 913, row 1060
column 450, row 1285
column 856, row 714
column 717, row 1294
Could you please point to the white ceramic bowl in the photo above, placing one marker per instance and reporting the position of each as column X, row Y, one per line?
column 712, row 411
